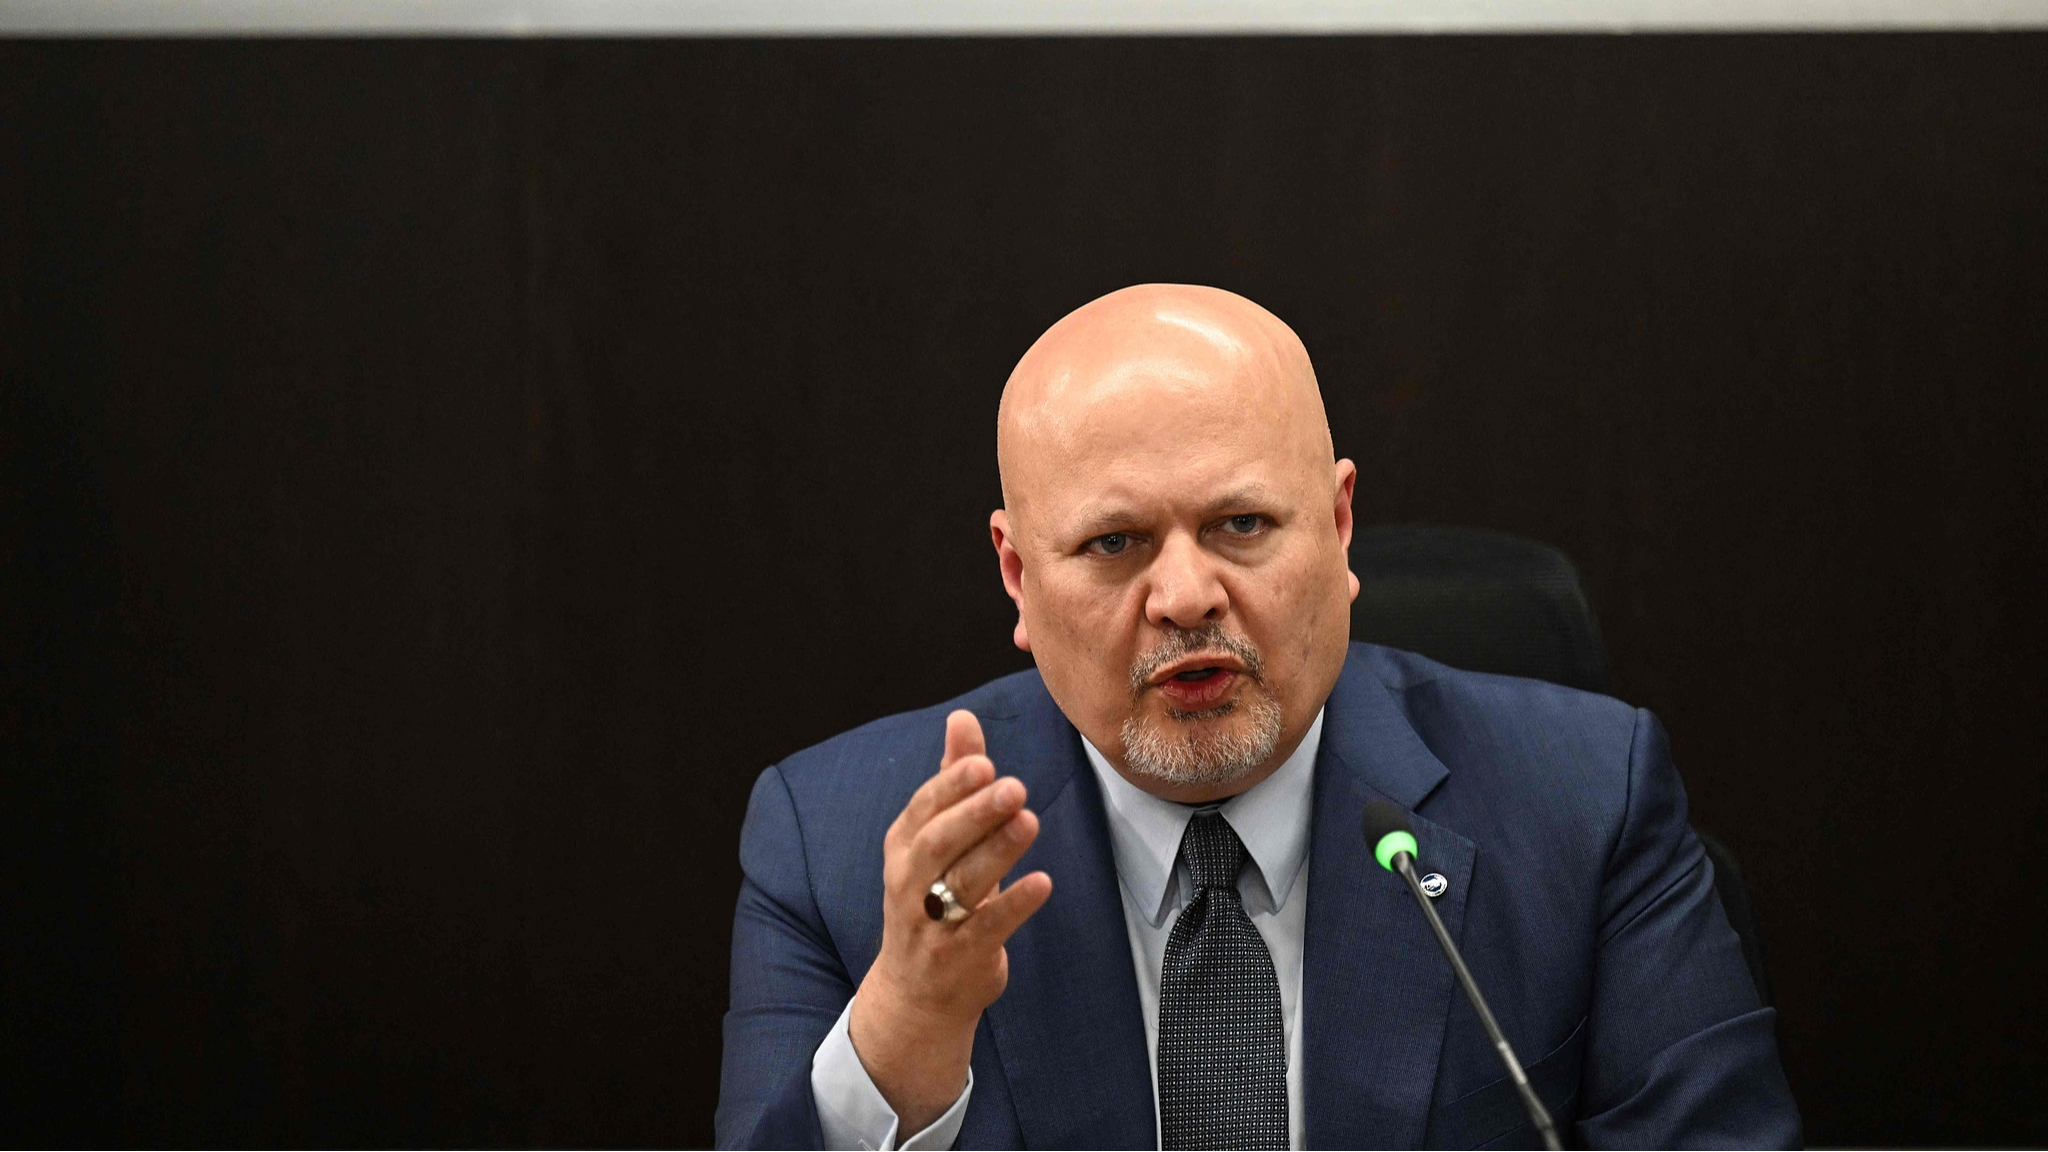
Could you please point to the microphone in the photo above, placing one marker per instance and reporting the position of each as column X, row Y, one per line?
column 1393, row 844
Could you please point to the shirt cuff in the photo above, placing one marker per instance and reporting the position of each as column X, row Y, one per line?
column 851, row 1110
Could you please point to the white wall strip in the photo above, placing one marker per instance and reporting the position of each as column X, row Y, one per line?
column 991, row 17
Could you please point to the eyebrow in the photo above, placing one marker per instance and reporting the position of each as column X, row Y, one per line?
column 1249, row 496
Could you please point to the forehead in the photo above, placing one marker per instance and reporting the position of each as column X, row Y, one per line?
column 1159, row 439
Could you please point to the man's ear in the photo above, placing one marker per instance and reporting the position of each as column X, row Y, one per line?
column 1012, row 566
column 1347, row 479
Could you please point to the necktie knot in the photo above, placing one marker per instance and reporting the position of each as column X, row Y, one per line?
column 1213, row 852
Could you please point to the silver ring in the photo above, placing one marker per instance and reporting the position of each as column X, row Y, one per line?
column 941, row 904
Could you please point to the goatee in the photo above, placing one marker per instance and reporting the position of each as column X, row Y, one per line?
column 1179, row 750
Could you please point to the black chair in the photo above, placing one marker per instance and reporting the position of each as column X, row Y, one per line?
column 1491, row 602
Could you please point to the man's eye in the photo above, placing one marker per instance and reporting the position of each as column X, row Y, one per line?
column 1112, row 544
column 1244, row 525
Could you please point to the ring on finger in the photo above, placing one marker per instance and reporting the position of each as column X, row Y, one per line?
column 941, row 904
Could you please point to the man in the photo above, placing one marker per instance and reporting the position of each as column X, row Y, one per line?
column 1223, row 964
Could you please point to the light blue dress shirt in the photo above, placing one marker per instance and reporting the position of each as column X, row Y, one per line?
column 1144, row 831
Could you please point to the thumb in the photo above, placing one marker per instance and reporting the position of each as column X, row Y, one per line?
column 963, row 737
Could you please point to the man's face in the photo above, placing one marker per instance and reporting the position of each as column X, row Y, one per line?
column 1177, row 548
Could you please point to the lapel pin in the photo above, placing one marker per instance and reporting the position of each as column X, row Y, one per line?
column 1434, row 885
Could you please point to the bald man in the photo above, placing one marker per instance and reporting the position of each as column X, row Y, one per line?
column 1194, row 948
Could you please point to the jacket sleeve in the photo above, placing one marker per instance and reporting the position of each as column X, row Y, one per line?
column 1683, row 1054
column 788, row 985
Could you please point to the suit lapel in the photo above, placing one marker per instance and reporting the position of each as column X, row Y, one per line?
column 1068, row 1029
column 1375, row 991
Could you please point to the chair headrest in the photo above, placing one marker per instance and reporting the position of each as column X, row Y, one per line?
column 1478, row 600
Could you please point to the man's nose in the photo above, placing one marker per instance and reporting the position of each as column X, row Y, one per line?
column 1186, row 592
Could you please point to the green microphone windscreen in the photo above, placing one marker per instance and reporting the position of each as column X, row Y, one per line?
column 1387, row 831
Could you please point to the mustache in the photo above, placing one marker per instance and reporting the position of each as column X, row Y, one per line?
column 1180, row 643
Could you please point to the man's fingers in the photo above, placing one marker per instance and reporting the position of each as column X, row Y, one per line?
column 947, row 836
column 963, row 767
column 963, row 737
column 947, row 787
column 1004, row 912
column 975, row 874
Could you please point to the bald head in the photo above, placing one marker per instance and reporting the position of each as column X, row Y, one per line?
column 1153, row 347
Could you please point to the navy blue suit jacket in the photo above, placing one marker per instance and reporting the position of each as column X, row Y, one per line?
column 1578, row 894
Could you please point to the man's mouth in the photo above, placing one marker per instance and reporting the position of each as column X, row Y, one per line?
column 1196, row 687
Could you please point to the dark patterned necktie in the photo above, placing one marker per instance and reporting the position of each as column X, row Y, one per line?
column 1222, row 1054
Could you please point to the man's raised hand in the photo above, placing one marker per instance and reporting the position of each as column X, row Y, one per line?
column 913, row 1019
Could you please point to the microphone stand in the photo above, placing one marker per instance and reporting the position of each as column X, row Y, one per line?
column 1538, row 1114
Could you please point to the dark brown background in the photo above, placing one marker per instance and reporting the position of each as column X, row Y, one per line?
column 439, row 475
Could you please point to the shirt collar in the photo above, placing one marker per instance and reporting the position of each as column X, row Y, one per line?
column 1272, row 818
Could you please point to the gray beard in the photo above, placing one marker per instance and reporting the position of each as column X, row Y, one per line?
column 1192, row 757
